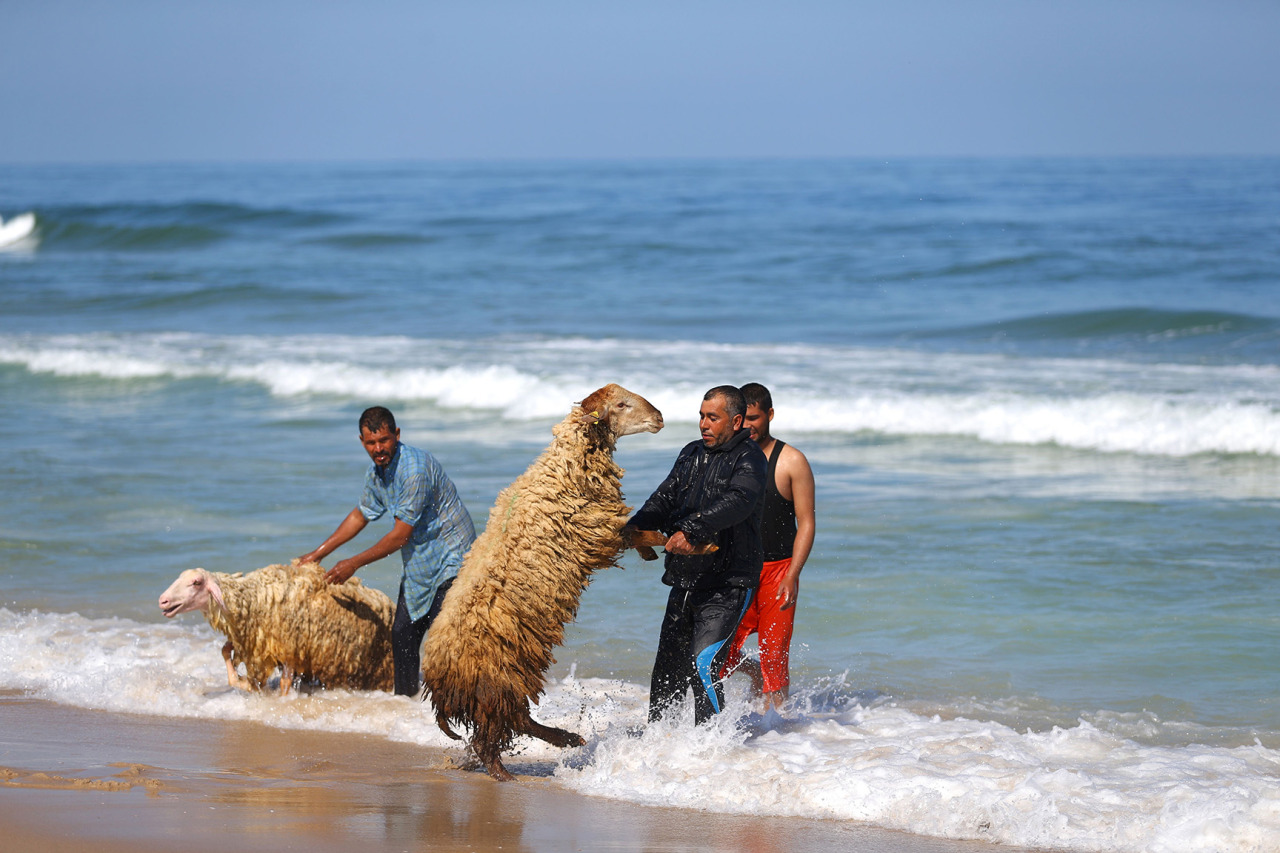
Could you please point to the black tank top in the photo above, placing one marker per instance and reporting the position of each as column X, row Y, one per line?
column 778, row 528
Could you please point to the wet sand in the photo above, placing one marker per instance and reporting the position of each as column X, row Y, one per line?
column 74, row 780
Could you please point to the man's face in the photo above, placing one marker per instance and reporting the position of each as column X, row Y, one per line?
column 715, row 424
column 757, row 420
column 380, row 445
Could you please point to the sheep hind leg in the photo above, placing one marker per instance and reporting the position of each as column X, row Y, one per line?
column 553, row 736
column 442, row 720
column 490, row 757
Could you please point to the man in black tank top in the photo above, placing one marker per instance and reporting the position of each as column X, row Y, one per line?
column 786, row 531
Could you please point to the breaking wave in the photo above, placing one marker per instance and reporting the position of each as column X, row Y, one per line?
column 1086, row 404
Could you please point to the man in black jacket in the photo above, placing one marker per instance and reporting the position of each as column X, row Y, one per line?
column 712, row 496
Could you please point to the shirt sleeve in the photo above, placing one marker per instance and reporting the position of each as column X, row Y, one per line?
column 658, row 510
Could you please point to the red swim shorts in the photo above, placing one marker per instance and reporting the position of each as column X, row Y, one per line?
column 766, row 617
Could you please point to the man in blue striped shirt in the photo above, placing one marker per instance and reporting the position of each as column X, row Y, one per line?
column 431, row 528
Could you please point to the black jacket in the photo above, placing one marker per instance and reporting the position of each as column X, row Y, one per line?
column 713, row 495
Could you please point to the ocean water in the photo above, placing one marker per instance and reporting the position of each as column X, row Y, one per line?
column 1041, row 399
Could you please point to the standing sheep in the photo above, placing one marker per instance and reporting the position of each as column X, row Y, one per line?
column 288, row 616
column 487, row 653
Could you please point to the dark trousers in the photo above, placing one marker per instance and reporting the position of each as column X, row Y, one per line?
column 406, row 640
column 692, row 647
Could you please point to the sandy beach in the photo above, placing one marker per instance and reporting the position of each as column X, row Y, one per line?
column 74, row 779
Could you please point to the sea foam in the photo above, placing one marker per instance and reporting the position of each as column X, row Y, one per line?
column 1072, row 788
column 877, row 762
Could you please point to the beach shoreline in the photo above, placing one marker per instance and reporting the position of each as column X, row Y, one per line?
column 71, row 777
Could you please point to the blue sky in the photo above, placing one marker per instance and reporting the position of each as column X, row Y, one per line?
column 144, row 80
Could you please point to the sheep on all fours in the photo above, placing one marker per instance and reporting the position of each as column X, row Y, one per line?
column 289, row 616
column 486, row 655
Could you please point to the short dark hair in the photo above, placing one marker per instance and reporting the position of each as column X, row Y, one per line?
column 375, row 418
column 733, row 402
column 757, row 395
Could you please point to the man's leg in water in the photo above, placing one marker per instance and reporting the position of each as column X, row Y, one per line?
column 406, row 640
column 671, row 672
column 716, row 614
column 775, row 629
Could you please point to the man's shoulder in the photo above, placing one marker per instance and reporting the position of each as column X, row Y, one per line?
column 747, row 453
column 408, row 451
column 792, row 455
column 793, row 466
column 746, row 446
column 691, row 448
column 414, row 460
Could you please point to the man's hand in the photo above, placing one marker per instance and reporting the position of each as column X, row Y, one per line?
column 341, row 571
column 347, row 530
column 789, row 591
column 678, row 544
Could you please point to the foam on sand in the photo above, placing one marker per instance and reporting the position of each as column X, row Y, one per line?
column 1088, row 786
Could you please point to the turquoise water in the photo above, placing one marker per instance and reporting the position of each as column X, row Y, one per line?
column 1040, row 399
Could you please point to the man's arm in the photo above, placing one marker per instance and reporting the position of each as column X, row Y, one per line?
column 414, row 489
column 347, row 530
column 656, row 512
column 800, row 475
column 393, row 541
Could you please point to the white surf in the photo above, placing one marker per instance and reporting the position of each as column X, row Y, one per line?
column 17, row 230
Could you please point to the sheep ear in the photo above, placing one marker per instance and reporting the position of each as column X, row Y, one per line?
column 594, row 409
column 216, row 592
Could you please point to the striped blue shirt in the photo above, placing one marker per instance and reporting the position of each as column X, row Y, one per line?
column 416, row 490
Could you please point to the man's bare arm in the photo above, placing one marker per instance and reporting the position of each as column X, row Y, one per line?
column 393, row 541
column 347, row 530
column 800, row 476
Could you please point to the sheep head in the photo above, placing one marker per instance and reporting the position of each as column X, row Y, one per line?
column 193, row 590
column 624, row 412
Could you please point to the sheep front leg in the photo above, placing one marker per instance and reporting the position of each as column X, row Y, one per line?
column 234, row 678
column 644, row 541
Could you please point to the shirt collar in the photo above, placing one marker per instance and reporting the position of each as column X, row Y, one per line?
column 387, row 471
column 733, row 442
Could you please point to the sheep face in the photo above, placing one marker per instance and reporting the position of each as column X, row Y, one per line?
column 624, row 411
column 193, row 590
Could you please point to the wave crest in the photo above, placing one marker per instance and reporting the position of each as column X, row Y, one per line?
column 1096, row 405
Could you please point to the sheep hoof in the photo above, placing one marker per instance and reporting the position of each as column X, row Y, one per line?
column 491, row 760
column 497, row 771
